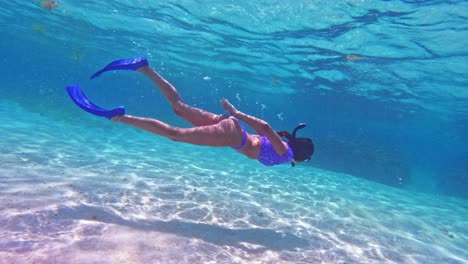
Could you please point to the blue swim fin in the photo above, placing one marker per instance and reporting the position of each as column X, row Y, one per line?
column 80, row 99
column 126, row 64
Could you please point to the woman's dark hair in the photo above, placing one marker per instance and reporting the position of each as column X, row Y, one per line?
column 303, row 148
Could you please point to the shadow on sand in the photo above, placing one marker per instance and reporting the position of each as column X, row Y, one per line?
column 267, row 239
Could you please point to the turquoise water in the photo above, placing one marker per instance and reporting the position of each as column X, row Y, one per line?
column 382, row 86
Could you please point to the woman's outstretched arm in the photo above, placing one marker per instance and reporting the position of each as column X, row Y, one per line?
column 260, row 126
column 284, row 134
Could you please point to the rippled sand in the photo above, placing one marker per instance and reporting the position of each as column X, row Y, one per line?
column 90, row 191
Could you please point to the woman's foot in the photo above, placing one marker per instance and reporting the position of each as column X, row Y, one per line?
column 117, row 118
column 132, row 64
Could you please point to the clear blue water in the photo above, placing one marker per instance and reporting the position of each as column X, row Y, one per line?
column 382, row 86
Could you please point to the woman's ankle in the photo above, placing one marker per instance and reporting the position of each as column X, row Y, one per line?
column 145, row 69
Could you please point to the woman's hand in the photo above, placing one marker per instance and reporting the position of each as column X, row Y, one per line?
column 228, row 106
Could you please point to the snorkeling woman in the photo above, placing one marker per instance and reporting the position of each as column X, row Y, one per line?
column 209, row 129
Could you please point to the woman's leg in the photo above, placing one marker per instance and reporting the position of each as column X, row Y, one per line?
column 194, row 115
column 224, row 133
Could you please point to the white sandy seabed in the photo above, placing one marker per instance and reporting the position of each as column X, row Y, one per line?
column 91, row 191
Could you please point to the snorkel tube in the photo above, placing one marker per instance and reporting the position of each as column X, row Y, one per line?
column 300, row 126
